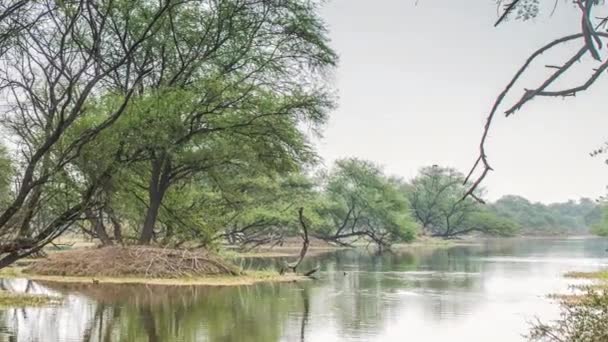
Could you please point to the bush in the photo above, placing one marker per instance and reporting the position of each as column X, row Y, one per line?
column 583, row 319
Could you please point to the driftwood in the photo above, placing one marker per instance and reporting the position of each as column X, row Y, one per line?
column 311, row 272
column 305, row 244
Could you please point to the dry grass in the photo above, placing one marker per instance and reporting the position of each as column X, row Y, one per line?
column 249, row 278
column 245, row 278
column 141, row 265
column 137, row 262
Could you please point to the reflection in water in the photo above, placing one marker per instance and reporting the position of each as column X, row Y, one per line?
column 156, row 313
column 424, row 294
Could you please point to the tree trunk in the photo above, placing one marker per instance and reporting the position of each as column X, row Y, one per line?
column 28, row 212
column 98, row 227
column 305, row 243
column 159, row 182
column 116, row 224
column 147, row 232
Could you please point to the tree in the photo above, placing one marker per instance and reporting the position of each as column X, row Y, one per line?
column 572, row 217
column 57, row 65
column 487, row 222
column 13, row 20
column 263, row 210
column 438, row 202
column 600, row 228
column 235, row 82
column 436, row 196
column 360, row 202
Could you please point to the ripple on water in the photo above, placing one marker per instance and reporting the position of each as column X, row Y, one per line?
column 596, row 262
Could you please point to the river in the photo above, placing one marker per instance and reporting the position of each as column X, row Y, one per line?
column 488, row 291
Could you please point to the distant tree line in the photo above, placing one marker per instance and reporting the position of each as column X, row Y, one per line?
column 571, row 217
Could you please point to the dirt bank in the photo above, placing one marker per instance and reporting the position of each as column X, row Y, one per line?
column 142, row 262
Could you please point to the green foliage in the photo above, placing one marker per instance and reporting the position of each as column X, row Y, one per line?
column 361, row 202
column 264, row 209
column 223, row 109
column 601, row 228
column 489, row 223
column 6, row 176
column 436, row 195
column 439, row 205
column 583, row 318
column 570, row 217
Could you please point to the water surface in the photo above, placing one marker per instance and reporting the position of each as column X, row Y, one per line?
column 484, row 292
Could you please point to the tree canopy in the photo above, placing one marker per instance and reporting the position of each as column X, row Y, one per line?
column 572, row 217
column 361, row 202
column 439, row 204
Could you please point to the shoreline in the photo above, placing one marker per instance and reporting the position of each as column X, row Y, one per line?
column 247, row 278
column 252, row 277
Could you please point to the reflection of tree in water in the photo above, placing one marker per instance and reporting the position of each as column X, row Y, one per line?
column 153, row 313
column 377, row 287
column 427, row 284
column 305, row 312
column 43, row 324
column 359, row 283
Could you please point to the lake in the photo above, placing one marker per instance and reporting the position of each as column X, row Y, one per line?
column 489, row 291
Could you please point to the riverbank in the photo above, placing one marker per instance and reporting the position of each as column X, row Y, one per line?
column 142, row 265
column 246, row 278
column 161, row 266
column 319, row 247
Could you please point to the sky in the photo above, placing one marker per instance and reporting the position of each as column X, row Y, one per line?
column 417, row 78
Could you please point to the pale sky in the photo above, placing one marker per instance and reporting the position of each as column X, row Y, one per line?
column 416, row 82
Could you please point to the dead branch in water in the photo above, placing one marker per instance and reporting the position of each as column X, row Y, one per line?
column 305, row 244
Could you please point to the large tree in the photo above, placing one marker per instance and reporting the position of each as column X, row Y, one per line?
column 234, row 84
column 438, row 202
column 58, row 61
column 362, row 203
column 436, row 196
column 263, row 210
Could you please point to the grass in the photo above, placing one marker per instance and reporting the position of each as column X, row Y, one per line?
column 247, row 278
column 10, row 272
column 12, row 299
column 599, row 283
column 598, row 275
